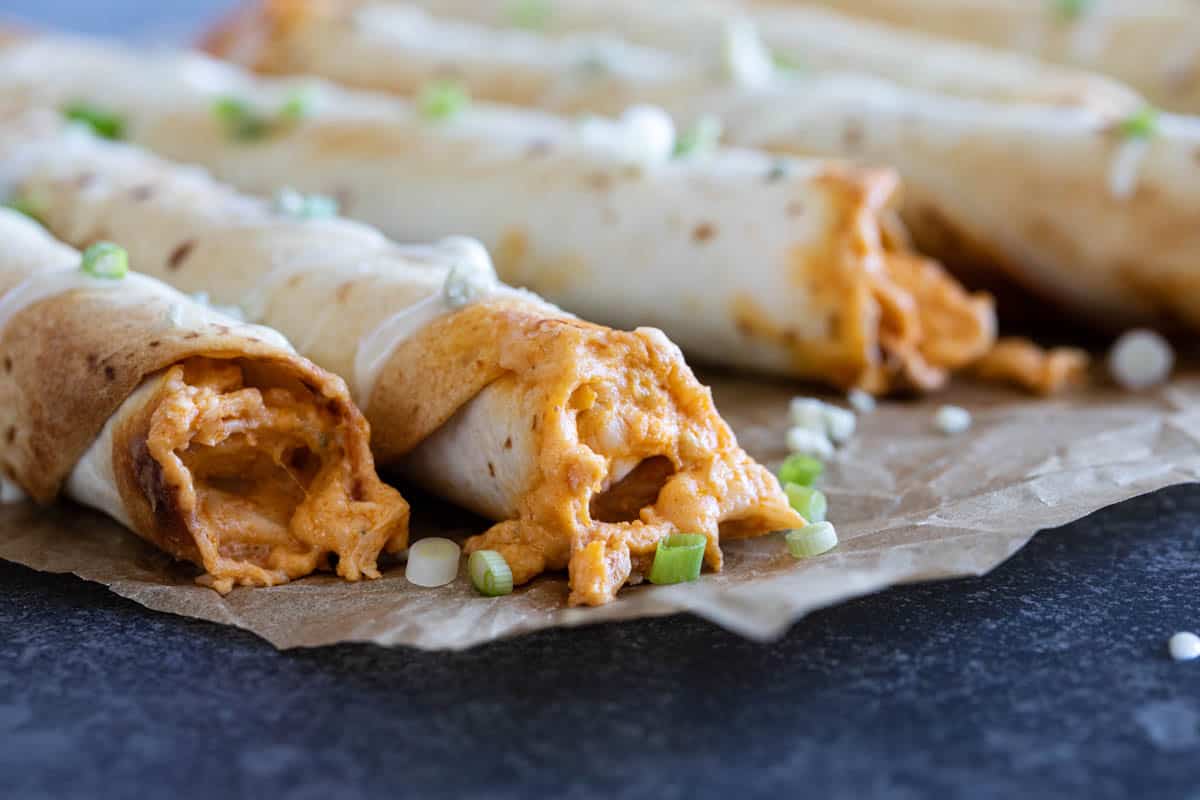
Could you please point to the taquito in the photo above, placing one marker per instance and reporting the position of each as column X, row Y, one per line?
column 1151, row 45
column 742, row 258
column 209, row 438
column 586, row 445
column 331, row 38
column 1092, row 210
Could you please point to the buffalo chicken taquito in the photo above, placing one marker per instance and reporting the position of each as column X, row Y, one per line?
column 1150, row 45
column 348, row 39
column 586, row 445
column 207, row 437
column 744, row 259
column 1090, row 204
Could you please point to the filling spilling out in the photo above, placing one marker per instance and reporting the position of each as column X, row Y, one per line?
column 672, row 467
column 270, row 479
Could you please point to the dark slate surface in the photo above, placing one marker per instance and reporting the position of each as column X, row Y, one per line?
column 1047, row 678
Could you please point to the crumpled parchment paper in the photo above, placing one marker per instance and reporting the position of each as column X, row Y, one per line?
column 909, row 503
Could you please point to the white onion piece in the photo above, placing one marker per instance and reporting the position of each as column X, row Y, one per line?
column 1126, row 167
column 860, row 401
column 952, row 420
column 1140, row 359
column 809, row 442
column 10, row 492
column 432, row 562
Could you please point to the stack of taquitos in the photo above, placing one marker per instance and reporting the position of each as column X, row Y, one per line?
column 568, row 209
column 1093, row 210
column 587, row 445
column 1152, row 45
column 211, row 439
column 336, row 39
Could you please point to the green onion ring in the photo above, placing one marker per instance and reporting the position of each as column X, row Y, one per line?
column 678, row 558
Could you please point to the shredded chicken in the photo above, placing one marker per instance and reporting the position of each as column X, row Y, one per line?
column 631, row 449
column 264, row 479
column 1024, row 364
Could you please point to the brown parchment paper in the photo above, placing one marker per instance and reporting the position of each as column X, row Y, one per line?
column 910, row 504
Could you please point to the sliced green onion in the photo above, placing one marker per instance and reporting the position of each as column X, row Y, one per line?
column 1070, row 10
column 529, row 14
column 808, row 502
column 490, row 573
column 1141, row 124
column 812, row 540
column 800, row 469
column 296, row 107
column 788, row 62
column 240, row 120
column 592, row 65
column 105, row 260
column 678, row 558
column 103, row 122
column 27, row 206
column 778, row 171
column 432, row 562
column 291, row 203
column 703, row 137
column 442, row 100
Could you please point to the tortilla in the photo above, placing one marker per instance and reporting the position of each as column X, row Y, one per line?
column 1086, row 204
column 586, row 445
column 287, row 35
column 209, row 438
column 1151, row 45
column 571, row 211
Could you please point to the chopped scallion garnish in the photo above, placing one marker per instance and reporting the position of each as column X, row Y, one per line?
column 1070, row 10
column 800, row 469
column 105, row 260
column 787, row 62
column 442, row 100
column 27, row 206
column 296, row 107
column 1141, row 124
column 291, row 203
column 678, row 558
column 103, row 123
column 778, row 171
column 701, row 138
column 529, row 14
column 244, row 123
column 240, row 121
column 808, row 502
column 490, row 573
column 812, row 540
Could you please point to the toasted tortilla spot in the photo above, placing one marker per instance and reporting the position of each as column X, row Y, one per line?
column 181, row 252
column 704, row 232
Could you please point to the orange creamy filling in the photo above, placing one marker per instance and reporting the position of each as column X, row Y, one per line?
column 264, row 480
column 631, row 449
column 1022, row 363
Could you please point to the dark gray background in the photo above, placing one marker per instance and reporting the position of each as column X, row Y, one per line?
column 1048, row 678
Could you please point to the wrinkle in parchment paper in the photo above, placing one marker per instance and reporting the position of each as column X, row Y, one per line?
column 909, row 502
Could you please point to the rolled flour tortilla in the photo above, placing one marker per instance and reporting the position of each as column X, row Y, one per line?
column 1062, row 199
column 1151, row 45
column 289, row 36
column 742, row 258
column 207, row 437
column 585, row 444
